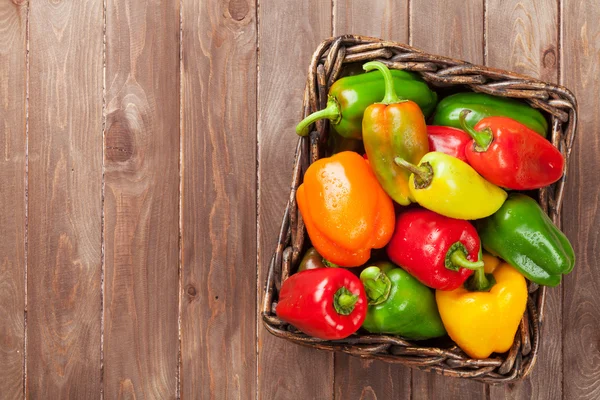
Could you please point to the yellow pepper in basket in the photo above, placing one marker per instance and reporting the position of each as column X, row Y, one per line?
column 451, row 187
column 483, row 316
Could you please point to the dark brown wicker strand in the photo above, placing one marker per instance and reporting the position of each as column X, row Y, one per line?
column 557, row 102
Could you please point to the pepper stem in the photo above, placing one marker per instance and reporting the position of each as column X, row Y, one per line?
column 456, row 257
column 344, row 301
column 423, row 173
column 482, row 138
column 329, row 264
column 377, row 285
column 390, row 96
column 480, row 281
column 331, row 112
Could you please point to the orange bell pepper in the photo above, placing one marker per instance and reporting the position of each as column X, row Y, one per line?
column 345, row 209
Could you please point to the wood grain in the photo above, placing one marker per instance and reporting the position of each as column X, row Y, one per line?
column 141, row 200
column 452, row 28
column 13, row 32
column 288, row 35
column 65, row 199
column 516, row 41
column 385, row 19
column 356, row 378
column 218, row 314
column 580, row 71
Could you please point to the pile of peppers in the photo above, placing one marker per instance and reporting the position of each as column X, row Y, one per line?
column 427, row 233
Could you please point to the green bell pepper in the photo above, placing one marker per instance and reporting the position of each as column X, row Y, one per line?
column 399, row 304
column 524, row 236
column 483, row 105
column 350, row 96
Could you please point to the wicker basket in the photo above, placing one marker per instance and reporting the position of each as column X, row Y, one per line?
column 557, row 102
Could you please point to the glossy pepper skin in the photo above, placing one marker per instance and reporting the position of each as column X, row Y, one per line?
column 440, row 252
column 345, row 210
column 510, row 155
column 450, row 187
column 350, row 96
column 326, row 303
column 484, row 322
column 391, row 128
column 448, row 140
column 523, row 235
column 483, row 105
column 399, row 304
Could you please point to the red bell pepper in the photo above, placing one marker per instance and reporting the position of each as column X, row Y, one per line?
column 327, row 303
column 439, row 251
column 446, row 139
column 510, row 155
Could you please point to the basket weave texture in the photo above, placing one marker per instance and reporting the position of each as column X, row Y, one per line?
column 555, row 101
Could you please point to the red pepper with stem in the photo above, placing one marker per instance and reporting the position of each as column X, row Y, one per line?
column 510, row 155
column 441, row 252
column 326, row 303
column 446, row 139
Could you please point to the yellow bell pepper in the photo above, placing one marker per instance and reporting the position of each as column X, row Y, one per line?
column 484, row 322
column 451, row 187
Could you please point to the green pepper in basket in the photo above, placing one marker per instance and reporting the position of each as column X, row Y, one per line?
column 350, row 96
column 447, row 112
column 523, row 235
column 399, row 304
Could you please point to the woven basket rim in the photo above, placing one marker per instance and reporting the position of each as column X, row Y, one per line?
column 554, row 100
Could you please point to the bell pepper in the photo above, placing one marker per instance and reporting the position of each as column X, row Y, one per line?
column 399, row 304
column 440, row 252
column 483, row 316
column 483, row 105
column 350, row 96
column 393, row 127
column 450, row 187
column 345, row 210
column 522, row 234
column 510, row 155
column 313, row 260
column 448, row 140
column 326, row 303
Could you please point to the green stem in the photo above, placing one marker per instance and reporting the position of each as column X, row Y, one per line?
column 459, row 258
column 377, row 285
column 423, row 173
column 390, row 96
column 329, row 264
column 482, row 139
column 480, row 281
column 344, row 301
column 331, row 112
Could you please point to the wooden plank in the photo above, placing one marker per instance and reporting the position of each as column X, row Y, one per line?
column 13, row 20
column 287, row 38
column 65, row 200
column 141, row 202
column 580, row 69
column 218, row 314
column 354, row 377
column 378, row 18
column 451, row 28
column 522, row 36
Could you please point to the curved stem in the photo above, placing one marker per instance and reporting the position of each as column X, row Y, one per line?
column 344, row 301
column 377, row 285
column 482, row 139
column 459, row 258
column 390, row 91
column 423, row 173
column 331, row 112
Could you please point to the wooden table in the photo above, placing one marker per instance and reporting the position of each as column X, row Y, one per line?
column 146, row 150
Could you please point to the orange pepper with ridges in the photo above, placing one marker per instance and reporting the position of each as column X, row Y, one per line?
column 345, row 209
